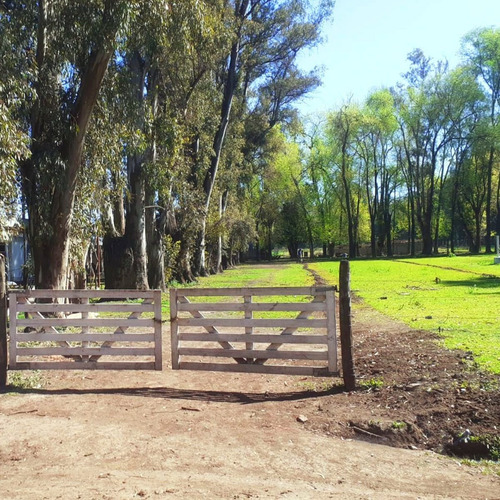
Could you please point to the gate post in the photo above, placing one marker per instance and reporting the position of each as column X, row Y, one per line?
column 174, row 329
column 3, row 325
column 345, row 325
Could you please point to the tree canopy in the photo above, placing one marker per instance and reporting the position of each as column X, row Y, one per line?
column 166, row 132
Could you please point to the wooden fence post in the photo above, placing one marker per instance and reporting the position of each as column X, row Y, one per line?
column 345, row 325
column 3, row 325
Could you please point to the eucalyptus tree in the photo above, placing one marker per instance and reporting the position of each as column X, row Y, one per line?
column 374, row 146
column 266, row 38
column 164, row 101
column 14, row 139
column 481, row 49
column 63, row 50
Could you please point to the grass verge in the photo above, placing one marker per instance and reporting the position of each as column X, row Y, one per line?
column 457, row 298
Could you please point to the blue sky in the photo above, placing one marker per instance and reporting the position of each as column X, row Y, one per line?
column 368, row 41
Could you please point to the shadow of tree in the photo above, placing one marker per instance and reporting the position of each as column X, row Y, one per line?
column 188, row 394
column 482, row 282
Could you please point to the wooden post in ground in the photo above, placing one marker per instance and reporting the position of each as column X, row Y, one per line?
column 3, row 325
column 345, row 325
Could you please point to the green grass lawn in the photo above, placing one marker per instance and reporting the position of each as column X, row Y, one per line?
column 457, row 297
column 255, row 275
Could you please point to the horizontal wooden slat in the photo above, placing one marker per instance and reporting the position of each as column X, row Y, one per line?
column 253, row 323
column 220, row 292
column 85, row 337
column 254, row 306
column 90, row 294
column 253, row 353
column 85, row 351
column 91, row 322
column 92, row 308
column 80, row 365
column 254, row 337
column 241, row 368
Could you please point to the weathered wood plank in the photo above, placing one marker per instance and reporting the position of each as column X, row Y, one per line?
column 157, row 330
column 269, row 369
column 174, row 329
column 91, row 322
column 134, row 315
column 254, row 353
column 85, row 351
column 85, row 329
column 91, row 294
column 92, row 308
column 331, row 331
column 255, row 337
column 210, row 328
column 82, row 337
column 254, row 291
column 83, row 365
column 84, row 356
column 248, row 329
column 255, row 306
column 303, row 315
column 12, row 329
column 255, row 323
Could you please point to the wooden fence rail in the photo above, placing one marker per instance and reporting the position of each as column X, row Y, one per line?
column 83, row 328
column 201, row 338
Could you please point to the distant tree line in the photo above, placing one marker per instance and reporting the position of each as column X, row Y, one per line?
column 419, row 161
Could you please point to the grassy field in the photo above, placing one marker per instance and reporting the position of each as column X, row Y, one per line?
column 254, row 275
column 457, row 297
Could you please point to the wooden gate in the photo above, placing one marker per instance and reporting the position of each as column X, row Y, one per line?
column 84, row 329
column 252, row 326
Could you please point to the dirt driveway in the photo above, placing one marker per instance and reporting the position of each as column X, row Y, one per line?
column 125, row 435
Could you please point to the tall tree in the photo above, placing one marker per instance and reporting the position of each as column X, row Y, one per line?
column 68, row 48
column 343, row 128
column 482, row 52
column 267, row 37
column 374, row 146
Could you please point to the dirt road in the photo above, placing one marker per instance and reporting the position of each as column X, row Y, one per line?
column 194, row 435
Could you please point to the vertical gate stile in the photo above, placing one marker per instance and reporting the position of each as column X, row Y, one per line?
column 331, row 333
column 85, row 329
column 13, row 330
column 174, row 329
column 157, row 329
column 248, row 329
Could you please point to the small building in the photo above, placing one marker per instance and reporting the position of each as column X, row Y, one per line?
column 13, row 246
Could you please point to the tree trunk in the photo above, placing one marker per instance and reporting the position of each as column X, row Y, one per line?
column 427, row 240
column 50, row 209
column 222, row 210
column 230, row 86
column 488, row 200
column 155, row 230
column 184, row 273
column 135, row 227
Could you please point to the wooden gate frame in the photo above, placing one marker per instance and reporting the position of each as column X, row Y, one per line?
column 250, row 359
column 84, row 356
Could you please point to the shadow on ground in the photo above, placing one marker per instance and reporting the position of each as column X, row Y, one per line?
column 188, row 394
